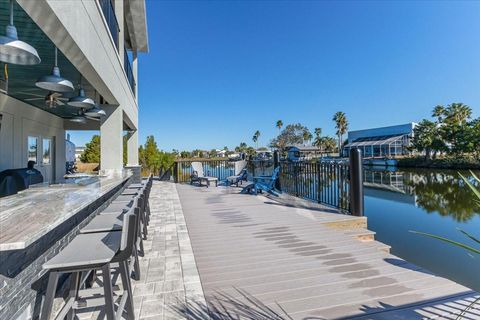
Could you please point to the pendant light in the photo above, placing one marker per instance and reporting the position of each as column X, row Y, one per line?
column 95, row 112
column 13, row 50
column 78, row 119
column 54, row 82
column 81, row 101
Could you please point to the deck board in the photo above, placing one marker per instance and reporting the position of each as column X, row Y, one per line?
column 259, row 259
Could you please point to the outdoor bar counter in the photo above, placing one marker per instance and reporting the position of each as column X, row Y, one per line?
column 35, row 225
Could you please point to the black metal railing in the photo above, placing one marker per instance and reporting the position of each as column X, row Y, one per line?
column 333, row 183
column 112, row 23
column 321, row 182
column 259, row 168
column 128, row 71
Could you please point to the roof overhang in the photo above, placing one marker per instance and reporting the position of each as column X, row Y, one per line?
column 136, row 25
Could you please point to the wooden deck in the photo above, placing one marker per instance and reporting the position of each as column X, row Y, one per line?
column 258, row 259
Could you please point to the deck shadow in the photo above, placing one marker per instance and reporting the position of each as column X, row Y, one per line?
column 401, row 263
column 222, row 306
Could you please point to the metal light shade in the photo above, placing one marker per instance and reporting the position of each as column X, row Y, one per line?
column 15, row 51
column 79, row 119
column 81, row 101
column 95, row 112
column 54, row 82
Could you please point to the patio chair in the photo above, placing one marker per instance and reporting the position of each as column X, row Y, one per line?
column 89, row 253
column 240, row 173
column 263, row 183
column 198, row 175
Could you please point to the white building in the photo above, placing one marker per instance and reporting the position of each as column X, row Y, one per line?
column 381, row 142
column 98, row 42
column 78, row 153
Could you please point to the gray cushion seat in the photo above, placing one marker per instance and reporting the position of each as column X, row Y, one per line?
column 101, row 247
column 131, row 192
column 118, row 207
column 104, row 223
column 136, row 186
column 123, row 198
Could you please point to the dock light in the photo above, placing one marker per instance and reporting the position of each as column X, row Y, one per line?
column 81, row 101
column 16, row 51
column 54, row 82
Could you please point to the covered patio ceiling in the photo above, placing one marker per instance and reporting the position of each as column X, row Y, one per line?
column 21, row 79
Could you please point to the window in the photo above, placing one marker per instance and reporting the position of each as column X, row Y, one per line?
column 46, row 151
column 32, row 148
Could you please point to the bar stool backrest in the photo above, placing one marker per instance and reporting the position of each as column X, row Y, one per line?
column 128, row 234
column 128, row 229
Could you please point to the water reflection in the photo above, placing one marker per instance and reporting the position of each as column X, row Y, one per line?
column 441, row 192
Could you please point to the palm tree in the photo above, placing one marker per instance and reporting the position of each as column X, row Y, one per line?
column 279, row 125
column 341, row 124
column 307, row 136
column 255, row 137
column 458, row 113
column 318, row 142
column 439, row 112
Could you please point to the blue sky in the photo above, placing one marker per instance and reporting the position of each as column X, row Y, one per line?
column 219, row 70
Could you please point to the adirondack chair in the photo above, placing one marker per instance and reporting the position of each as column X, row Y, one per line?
column 199, row 176
column 240, row 173
column 263, row 183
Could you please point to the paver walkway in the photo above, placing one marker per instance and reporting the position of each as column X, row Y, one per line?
column 261, row 260
column 169, row 278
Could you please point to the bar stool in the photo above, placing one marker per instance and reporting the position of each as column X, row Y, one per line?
column 113, row 221
column 126, row 200
column 90, row 253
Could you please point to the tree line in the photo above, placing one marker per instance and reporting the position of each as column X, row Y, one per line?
column 452, row 132
column 298, row 134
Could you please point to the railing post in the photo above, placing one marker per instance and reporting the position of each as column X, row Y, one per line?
column 253, row 166
column 175, row 172
column 276, row 163
column 356, row 183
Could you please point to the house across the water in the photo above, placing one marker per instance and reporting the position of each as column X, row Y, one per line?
column 381, row 142
column 298, row 153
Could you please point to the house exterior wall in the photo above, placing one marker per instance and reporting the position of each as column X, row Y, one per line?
column 20, row 120
column 78, row 28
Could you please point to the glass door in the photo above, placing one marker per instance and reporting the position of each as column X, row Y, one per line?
column 48, row 159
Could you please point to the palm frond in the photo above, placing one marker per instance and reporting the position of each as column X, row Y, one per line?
column 455, row 243
column 472, row 187
column 469, row 235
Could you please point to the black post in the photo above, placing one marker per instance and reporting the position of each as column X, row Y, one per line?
column 356, row 182
column 252, row 164
column 175, row 172
column 276, row 163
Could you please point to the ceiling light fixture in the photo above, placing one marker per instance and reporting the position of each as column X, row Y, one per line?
column 78, row 119
column 95, row 112
column 15, row 51
column 81, row 101
column 54, row 82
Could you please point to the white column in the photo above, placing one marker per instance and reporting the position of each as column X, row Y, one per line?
column 111, row 141
column 132, row 149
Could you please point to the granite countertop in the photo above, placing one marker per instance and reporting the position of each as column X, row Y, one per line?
column 27, row 216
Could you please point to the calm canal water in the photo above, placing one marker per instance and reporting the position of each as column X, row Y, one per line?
column 432, row 201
